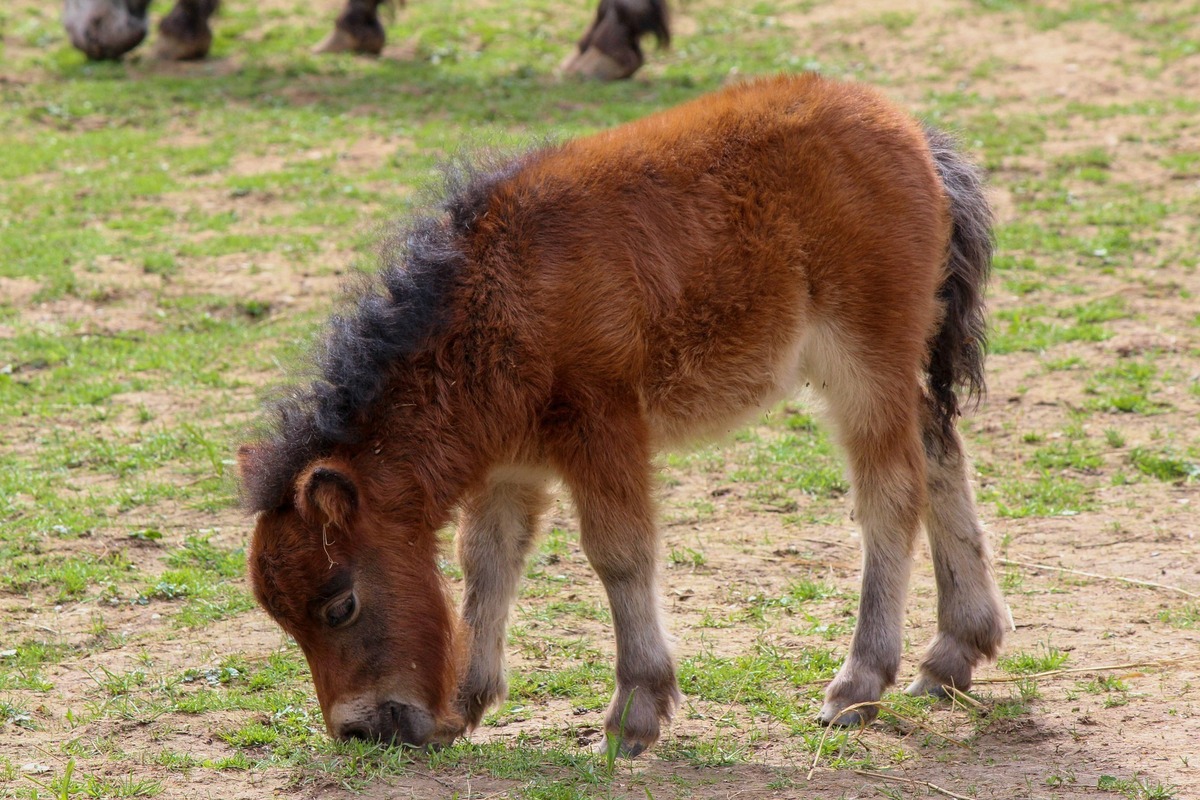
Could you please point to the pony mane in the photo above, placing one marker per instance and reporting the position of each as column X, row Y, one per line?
column 394, row 313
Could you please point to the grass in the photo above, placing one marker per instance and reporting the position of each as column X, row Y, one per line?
column 174, row 235
column 1041, row 494
column 1045, row 659
column 778, row 464
column 1136, row 788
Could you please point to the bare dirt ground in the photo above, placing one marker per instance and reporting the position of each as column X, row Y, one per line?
column 1105, row 585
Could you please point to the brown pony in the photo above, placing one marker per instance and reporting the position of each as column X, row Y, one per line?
column 574, row 310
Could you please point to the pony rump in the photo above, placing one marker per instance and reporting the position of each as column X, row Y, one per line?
column 959, row 346
column 393, row 314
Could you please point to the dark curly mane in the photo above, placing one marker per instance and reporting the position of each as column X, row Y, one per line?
column 394, row 314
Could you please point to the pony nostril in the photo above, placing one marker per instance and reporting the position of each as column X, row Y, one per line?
column 408, row 724
column 356, row 732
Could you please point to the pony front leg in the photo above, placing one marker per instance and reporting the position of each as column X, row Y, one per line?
column 606, row 463
column 623, row 551
column 496, row 532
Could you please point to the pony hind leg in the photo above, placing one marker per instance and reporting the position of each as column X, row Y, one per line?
column 497, row 530
column 971, row 615
column 879, row 429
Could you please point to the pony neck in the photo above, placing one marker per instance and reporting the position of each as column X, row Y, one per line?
column 435, row 446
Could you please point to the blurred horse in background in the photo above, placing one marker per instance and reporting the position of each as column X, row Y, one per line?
column 610, row 49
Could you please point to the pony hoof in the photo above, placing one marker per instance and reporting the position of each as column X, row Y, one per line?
column 595, row 65
column 626, row 749
column 445, row 737
column 171, row 49
column 369, row 42
column 338, row 41
column 474, row 705
column 847, row 715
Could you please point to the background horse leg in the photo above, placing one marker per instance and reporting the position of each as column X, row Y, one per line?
column 496, row 532
column 605, row 461
column 184, row 34
column 357, row 30
column 611, row 48
column 881, row 434
column 104, row 29
column 971, row 615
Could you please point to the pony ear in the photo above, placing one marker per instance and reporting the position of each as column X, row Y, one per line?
column 247, row 459
column 256, row 490
column 326, row 493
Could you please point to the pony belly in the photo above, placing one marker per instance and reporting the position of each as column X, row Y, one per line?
column 713, row 400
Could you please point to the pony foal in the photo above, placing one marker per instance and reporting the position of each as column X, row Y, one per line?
column 572, row 311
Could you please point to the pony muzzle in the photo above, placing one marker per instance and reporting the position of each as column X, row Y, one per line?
column 389, row 722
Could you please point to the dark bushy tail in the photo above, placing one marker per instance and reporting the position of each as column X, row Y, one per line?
column 957, row 349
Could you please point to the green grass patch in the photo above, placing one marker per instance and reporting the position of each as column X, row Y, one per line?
column 765, row 681
column 778, row 466
column 1043, row 494
column 1128, row 387
column 1029, row 330
column 1164, row 466
column 1045, row 659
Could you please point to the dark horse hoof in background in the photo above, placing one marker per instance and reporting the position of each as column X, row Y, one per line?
column 107, row 29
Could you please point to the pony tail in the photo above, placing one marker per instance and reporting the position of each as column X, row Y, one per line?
column 957, row 349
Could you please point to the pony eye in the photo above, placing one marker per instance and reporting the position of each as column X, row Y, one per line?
column 342, row 610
